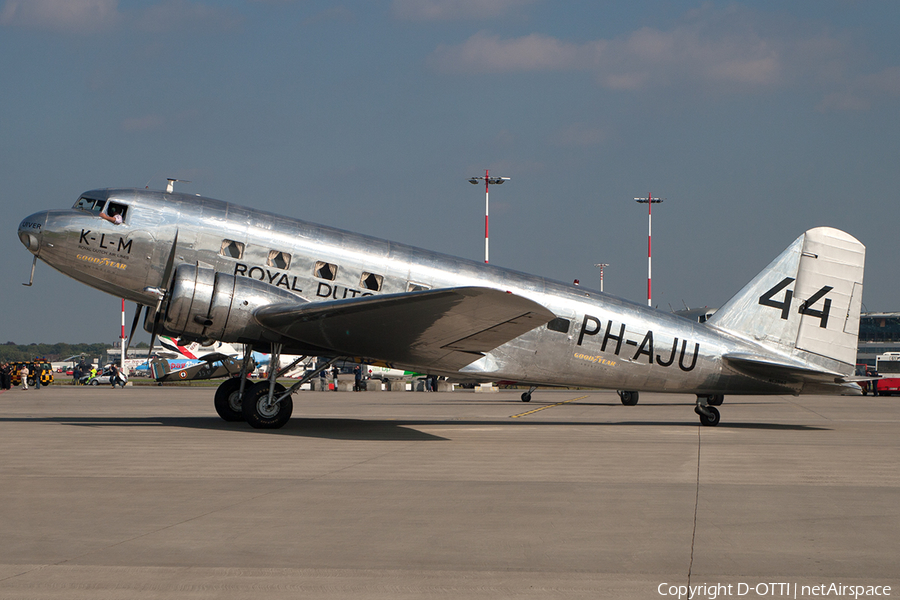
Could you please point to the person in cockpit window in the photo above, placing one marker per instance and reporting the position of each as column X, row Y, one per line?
column 113, row 214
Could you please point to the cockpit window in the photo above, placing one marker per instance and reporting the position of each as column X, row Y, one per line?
column 90, row 205
column 114, row 213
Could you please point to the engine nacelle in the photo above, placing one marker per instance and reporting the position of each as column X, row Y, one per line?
column 206, row 305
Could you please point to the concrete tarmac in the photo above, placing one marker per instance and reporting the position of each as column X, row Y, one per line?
column 146, row 493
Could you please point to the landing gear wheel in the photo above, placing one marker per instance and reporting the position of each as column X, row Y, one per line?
column 228, row 399
column 628, row 398
column 707, row 420
column 259, row 414
column 526, row 397
column 716, row 400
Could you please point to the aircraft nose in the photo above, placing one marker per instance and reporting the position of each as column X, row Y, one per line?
column 30, row 230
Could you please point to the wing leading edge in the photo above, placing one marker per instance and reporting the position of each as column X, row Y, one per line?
column 444, row 329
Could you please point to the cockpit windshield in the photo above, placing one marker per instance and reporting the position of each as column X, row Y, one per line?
column 114, row 211
column 89, row 205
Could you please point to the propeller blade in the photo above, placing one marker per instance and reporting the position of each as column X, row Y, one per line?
column 166, row 281
column 167, row 274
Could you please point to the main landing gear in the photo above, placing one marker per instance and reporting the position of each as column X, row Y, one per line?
column 526, row 397
column 706, row 409
column 266, row 404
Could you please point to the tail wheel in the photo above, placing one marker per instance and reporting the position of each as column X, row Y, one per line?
column 628, row 398
column 228, row 399
column 262, row 415
column 710, row 420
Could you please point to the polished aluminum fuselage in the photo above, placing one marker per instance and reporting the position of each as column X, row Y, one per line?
column 608, row 342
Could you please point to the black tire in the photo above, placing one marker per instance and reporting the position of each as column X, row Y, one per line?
column 94, row 382
column 710, row 421
column 526, row 397
column 251, row 406
column 716, row 400
column 228, row 401
column 628, row 398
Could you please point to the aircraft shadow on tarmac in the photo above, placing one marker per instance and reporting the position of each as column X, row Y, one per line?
column 375, row 429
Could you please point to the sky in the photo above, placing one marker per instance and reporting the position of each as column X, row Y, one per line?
column 754, row 121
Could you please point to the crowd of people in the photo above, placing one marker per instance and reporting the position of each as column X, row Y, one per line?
column 82, row 373
column 5, row 376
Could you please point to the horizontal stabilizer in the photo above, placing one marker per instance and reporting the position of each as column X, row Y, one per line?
column 773, row 371
column 445, row 329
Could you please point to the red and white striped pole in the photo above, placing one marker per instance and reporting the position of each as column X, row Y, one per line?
column 650, row 201
column 122, row 337
column 488, row 180
column 487, row 183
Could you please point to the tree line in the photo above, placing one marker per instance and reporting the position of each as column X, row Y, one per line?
column 52, row 352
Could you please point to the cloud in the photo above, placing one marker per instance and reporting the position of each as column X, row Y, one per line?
column 645, row 57
column 446, row 10
column 77, row 16
column 861, row 91
column 486, row 53
column 91, row 16
column 709, row 51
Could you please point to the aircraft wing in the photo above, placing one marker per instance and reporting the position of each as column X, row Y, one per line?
column 444, row 329
column 214, row 357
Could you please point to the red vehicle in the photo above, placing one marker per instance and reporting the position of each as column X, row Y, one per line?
column 888, row 366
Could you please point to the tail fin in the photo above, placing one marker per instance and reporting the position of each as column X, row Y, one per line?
column 159, row 367
column 806, row 302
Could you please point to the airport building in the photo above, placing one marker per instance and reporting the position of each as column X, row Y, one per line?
column 878, row 333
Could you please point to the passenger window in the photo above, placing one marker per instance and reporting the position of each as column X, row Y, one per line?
column 370, row 281
column 416, row 287
column 279, row 260
column 560, row 325
column 232, row 249
column 325, row 270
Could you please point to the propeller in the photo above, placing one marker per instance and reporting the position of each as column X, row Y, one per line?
column 162, row 292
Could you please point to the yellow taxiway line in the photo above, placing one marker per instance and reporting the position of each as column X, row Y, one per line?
column 531, row 412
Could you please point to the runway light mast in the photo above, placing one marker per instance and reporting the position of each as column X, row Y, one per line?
column 649, row 201
column 601, row 266
column 488, row 180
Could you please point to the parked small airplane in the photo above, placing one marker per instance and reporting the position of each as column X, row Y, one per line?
column 210, row 366
column 210, row 270
column 186, row 362
column 189, row 361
